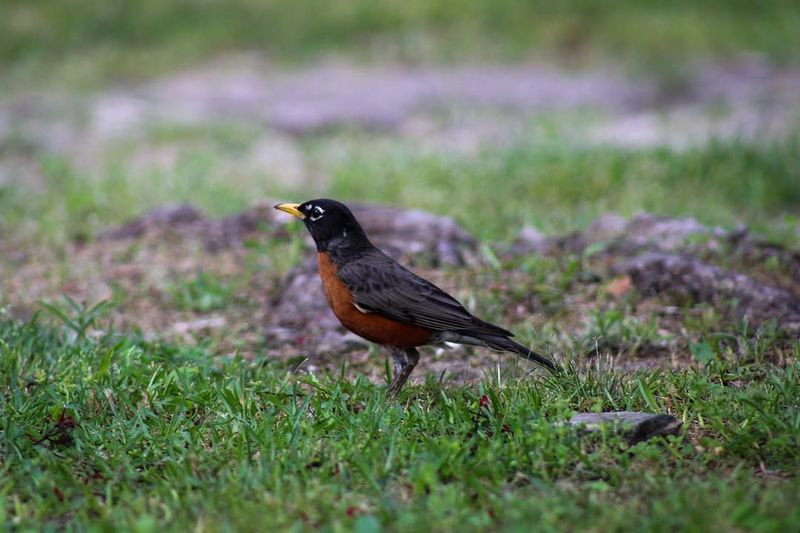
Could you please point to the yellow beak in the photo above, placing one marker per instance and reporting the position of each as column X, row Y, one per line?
column 291, row 209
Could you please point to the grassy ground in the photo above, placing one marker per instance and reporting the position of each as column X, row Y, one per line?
column 553, row 185
column 83, row 42
column 558, row 187
column 115, row 432
column 104, row 430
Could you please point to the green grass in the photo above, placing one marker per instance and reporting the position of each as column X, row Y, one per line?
column 102, row 430
column 107, row 431
column 552, row 185
column 558, row 187
column 95, row 40
column 202, row 293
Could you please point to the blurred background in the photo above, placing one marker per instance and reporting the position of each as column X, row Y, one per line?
column 499, row 114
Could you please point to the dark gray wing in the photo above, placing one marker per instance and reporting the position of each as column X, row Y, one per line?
column 381, row 285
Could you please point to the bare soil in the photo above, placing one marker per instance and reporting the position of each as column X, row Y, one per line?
column 282, row 314
column 457, row 108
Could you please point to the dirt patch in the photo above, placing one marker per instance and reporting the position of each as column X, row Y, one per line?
column 329, row 95
column 174, row 273
column 685, row 277
column 684, row 259
column 746, row 97
column 162, row 266
column 459, row 108
column 410, row 233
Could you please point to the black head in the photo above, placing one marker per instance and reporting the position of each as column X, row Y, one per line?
column 329, row 222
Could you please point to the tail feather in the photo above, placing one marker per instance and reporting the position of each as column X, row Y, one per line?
column 504, row 344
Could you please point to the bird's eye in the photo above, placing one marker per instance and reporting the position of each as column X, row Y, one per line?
column 316, row 213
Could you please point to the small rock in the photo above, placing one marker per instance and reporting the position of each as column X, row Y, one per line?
column 634, row 426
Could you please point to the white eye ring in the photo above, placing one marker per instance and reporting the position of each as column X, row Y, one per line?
column 318, row 211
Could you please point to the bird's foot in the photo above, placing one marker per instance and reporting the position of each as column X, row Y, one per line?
column 404, row 359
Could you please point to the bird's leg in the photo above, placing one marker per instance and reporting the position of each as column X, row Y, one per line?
column 404, row 359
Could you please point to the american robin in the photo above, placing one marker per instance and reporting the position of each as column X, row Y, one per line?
column 376, row 298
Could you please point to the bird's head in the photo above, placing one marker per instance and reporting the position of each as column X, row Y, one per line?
column 328, row 221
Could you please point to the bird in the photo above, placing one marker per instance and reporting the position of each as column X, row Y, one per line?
column 380, row 300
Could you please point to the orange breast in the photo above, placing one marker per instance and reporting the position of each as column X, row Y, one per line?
column 371, row 326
